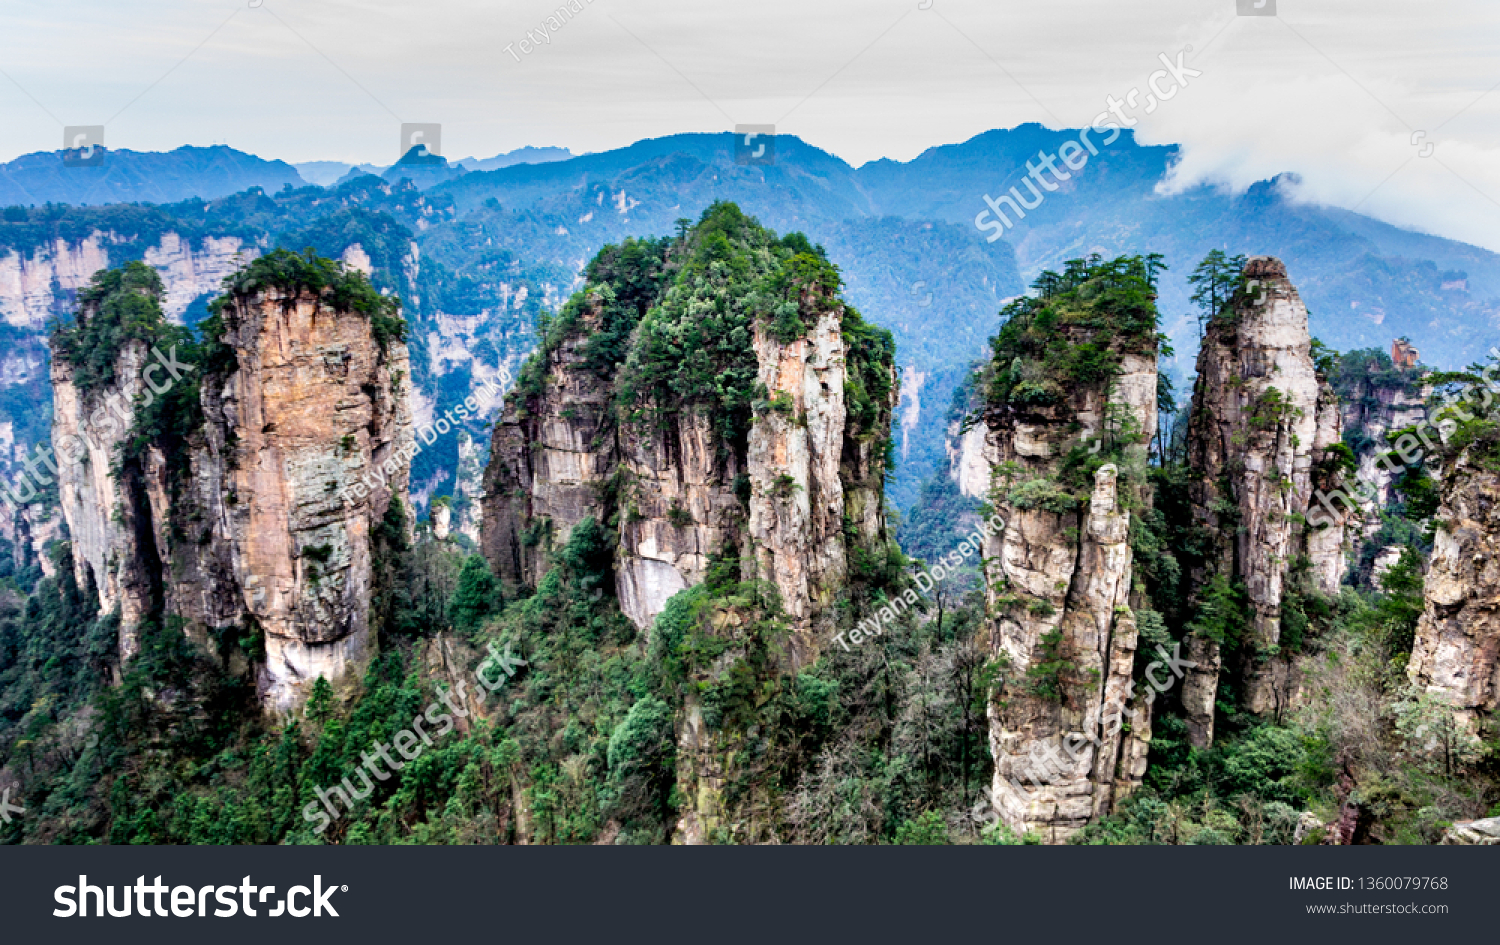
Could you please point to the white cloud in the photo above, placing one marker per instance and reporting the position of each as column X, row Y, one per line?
column 1331, row 90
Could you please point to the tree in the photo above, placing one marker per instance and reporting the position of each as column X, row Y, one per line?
column 478, row 596
column 1214, row 281
column 642, row 759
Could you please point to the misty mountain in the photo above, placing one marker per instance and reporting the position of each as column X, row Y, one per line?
column 902, row 233
column 146, row 177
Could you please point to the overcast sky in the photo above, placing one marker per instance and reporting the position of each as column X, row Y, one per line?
column 1333, row 90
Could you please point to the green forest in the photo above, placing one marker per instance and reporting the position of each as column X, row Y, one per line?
column 887, row 742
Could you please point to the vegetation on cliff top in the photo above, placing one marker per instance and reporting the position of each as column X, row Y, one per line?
column 671, row 323
column 1074, row 330
column 341, row 288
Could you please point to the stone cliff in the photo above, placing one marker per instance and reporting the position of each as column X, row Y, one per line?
column 1456, row 654
column 1259, row 446
column 715, row 406
column 30, row 280
column 1069, row 408
column 768, row 463
column 244, row 490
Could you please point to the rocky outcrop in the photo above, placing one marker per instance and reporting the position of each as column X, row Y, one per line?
column 30, row 281
column 679, row 509
column 714, row 405
column 1379, row 398
column 190, row 273
column 1059, row 584
column 787, row 502
column 313, row 410
column 468, row 487
column 552, row 453
column 1478, row 833
column 1456, row 653
column 258, row 515
column 91, row 427
column 1258, row 445
column 796, row 488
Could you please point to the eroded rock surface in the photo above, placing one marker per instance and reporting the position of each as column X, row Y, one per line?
column 1456, row 654
column 1262, row 423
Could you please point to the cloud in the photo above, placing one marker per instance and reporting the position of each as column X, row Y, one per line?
column 1332, row 90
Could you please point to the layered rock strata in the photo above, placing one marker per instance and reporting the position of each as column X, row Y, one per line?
column 810, row 480
column 1456, row 653
column 1258, row 445
column 261, row 518
column 1058, row 588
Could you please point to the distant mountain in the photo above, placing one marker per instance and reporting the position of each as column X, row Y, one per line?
column 526, row 155
column 134, row 176
column 328, row 173
column 904, row 234
column 332, row 173
column 476, row 252
column 1365, row 282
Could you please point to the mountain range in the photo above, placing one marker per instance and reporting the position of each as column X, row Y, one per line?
column 477, row 253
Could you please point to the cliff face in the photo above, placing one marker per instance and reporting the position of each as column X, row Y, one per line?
column 1064, row 444
column 288, row 439
column 1058, row 587
column 785, row 480
column 91, row 427
column 1456, row 653
column 29, row 280
column 1258, row 444
column 307, row 441
column 717, row 408
column 551, row 455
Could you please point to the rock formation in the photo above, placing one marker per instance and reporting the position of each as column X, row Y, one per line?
column 1376, row 400
column 1456, row 654
column 709, row 415
column 30, row 280
column 1068, row 735
column 245, row 501
column 551, row 454
column 787, row 500
column 1263, row 422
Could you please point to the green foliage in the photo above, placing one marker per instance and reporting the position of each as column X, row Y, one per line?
column 117, row 307
column 1305, row 612
column 1401, row 607
column 478, row 596
column 679, row 517
column 1047, row 673
column 1071, row 336
column 642, row 751
column 1221, row 614
column 1215, row 281
column 927, row 829
column 1269, row 410
column 1043, row 494
column 339, row 287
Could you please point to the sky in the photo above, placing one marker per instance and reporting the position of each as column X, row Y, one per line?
column 1390, row 107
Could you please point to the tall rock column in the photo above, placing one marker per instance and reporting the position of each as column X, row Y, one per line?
column 1456, row 653
column 308, row 441
column 1262, row 422
column 796, row 493
column 1059, row 582
column 239, row 489
column 553, row 451
column 1069, row 409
